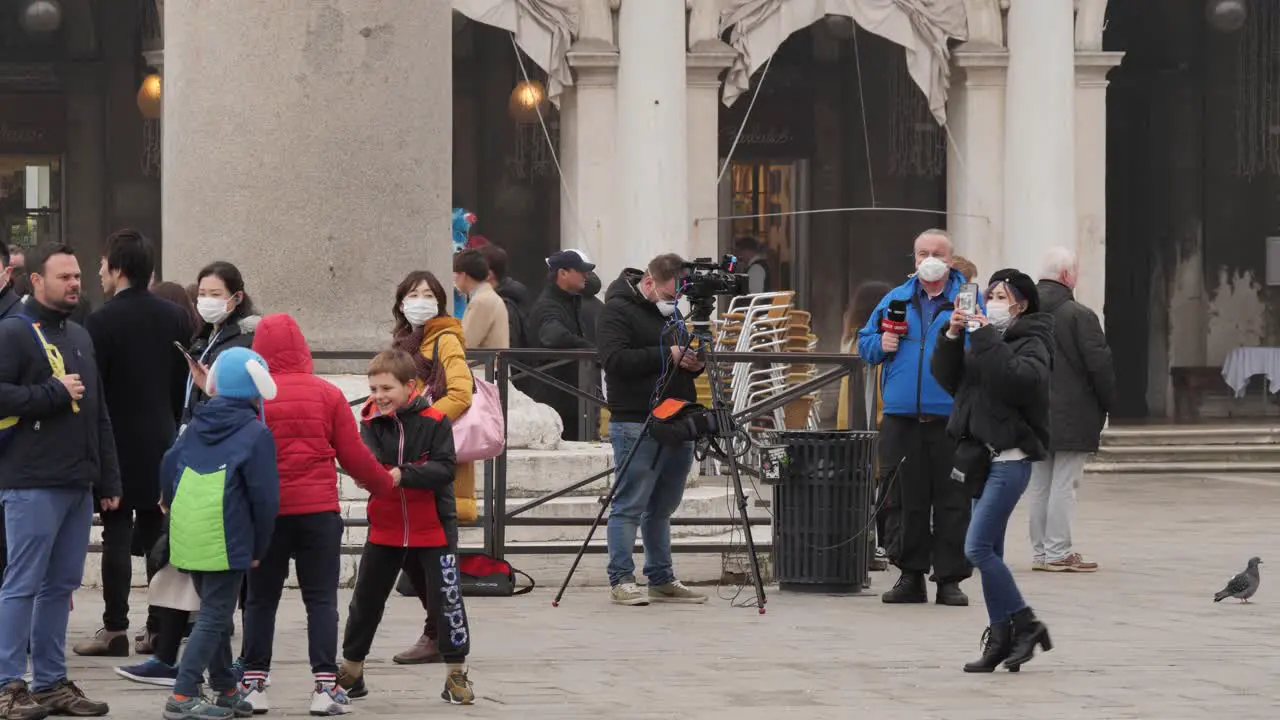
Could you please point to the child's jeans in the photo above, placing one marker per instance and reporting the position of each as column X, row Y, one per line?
column 376, row 578
column 209, row 647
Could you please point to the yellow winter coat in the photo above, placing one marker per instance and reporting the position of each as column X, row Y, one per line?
column 452, row 348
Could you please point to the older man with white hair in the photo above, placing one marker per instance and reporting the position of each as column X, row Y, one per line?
column 1082, row 393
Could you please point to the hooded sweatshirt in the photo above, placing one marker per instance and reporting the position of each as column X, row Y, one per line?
column 222, row 488
column 313, row 426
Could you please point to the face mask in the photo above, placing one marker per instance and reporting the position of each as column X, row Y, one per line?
column 932, row 270
column 213, row 310
column 419, row 310
column 666, row 307
column 998, row 315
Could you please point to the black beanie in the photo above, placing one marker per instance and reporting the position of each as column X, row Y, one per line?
column 1021, row 284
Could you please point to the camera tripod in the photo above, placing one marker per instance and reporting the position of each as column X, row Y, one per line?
column 699, row 326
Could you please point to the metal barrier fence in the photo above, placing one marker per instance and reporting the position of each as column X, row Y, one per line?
column 504, row 366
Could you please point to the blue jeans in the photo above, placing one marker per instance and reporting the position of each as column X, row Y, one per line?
column 209, row 647
column 644, row 498
column 47, row 532
column 984, row 543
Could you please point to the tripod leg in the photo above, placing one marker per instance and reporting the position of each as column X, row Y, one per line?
column 741, row 494
column 605, row 502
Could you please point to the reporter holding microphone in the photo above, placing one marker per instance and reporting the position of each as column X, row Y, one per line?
column 926, row 513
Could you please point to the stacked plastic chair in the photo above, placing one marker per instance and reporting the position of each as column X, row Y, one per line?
column 755, row 323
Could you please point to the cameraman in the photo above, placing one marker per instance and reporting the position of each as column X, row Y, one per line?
column 640, row 344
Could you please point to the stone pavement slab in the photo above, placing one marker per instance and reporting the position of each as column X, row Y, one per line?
column 1140, row 639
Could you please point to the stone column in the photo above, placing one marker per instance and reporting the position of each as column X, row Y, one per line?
column 310, row 144
column 706, row 60
column 1091, row 173
column 1040, row 143
column 975, row 157
column 588, row 156
column 652, row 179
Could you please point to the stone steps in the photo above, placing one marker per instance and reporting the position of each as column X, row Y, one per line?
column 1189, row 449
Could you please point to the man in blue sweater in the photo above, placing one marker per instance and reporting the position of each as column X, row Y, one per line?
column 926, row 512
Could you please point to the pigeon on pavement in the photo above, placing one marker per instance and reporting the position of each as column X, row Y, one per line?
column 1244, row 585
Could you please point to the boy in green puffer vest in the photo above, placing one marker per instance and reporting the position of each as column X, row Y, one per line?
column 221, row 487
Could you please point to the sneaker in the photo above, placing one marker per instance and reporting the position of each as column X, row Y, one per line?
column 881, row 560
column 152, row 671
column 104, row 643
column 235, row 702
column 1072, row 563
column 64, row 698
column 675, row 592
column 253, row 689
column 144, row 643
column 329, row 700
column 457, row 689
column 351, row 679
column 16, row 703
column 1039, row 564
column 194, row 708
column 237, row 671
column 628, row 593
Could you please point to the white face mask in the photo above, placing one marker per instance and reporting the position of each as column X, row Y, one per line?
column 998, row 315
column 213, row 310
column 666, row 307
column 419, row 310
column 932, row 270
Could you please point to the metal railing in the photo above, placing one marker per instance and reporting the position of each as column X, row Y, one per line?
column 531, row 366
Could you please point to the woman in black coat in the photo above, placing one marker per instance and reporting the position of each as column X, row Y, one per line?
column 1000, row 422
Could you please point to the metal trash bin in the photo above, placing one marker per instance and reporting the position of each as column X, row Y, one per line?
column 822, row 511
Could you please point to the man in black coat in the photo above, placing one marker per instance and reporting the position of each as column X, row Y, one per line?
column 10, row 305
column 144, row 377
column 513, row 293
column 58, row 454
column 1082, row 394
column 555, row 323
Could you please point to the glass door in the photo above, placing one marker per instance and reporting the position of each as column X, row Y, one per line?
column 762, row 196
column 30, row 200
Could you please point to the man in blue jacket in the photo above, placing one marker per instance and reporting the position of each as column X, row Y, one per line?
column 926, row 512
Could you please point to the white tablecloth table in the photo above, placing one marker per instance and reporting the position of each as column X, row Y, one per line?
column 1245, row 362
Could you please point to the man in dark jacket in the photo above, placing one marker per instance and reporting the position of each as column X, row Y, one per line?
column 1083, row 393
column 640, row 344
column 143, row 378
column 10, row 305
column 555, row 323
column 58, row 454
column 513, row 293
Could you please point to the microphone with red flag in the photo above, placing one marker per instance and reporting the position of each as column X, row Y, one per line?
column 895, row 318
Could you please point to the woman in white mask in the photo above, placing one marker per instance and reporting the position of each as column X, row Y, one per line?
column 999, row 374
column 425, row 329
column 229, row 321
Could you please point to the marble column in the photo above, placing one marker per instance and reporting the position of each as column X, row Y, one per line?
column 706, row 60
column 1091, row 173
column 1040, row 142
column 652, row 178
column 975, row 156
column 588, row 156
column 310, row 144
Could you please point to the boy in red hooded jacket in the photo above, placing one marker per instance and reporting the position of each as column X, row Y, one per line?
column 416, row 524
column 313, row 426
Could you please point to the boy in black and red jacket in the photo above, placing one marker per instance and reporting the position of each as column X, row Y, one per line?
column 416, row 522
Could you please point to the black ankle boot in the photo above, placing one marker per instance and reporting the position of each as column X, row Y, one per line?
column 909, row 589
column 1028, row 632
column 997, row 641
column 949, row 593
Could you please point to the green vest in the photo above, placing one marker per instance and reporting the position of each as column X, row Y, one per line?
column 197, row 529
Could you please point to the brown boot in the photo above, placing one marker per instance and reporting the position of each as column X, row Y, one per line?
column 64, row 698
column 144, row 643
column 104, row 643
column 16, row 703
column 424, row 651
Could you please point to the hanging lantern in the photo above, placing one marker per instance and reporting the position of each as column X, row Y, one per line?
column 527, row 101
column 1226, row 15
column 41, row 17
column 149, row 95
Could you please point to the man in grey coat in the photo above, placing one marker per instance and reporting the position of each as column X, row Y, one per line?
column 1082, row 393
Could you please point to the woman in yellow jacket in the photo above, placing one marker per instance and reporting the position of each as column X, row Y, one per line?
column 425, row 329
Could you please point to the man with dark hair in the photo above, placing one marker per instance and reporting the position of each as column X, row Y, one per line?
column 59, row 455
column 754, row 262
column 641, row 345
column 144, row 379
column 555, row 323
column 513, row 293
column 484, row 324
column 9, row 300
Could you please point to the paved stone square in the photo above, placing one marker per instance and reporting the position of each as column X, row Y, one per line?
column 1140, row 639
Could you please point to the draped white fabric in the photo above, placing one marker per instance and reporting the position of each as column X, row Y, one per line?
column 921, row 27
column 543, row 29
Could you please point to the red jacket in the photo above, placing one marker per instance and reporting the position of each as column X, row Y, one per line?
column 312, row 424
column 422, row 512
